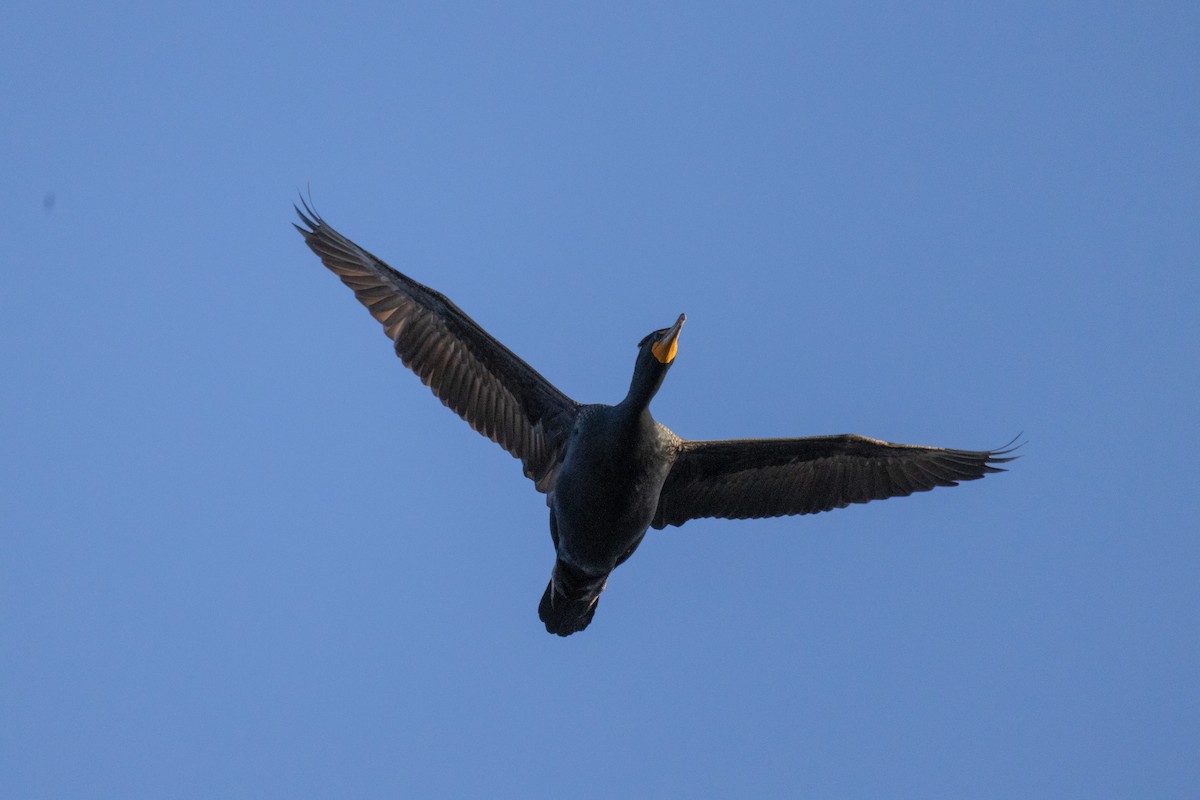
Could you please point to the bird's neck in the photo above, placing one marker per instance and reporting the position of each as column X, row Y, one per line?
column 642, row 389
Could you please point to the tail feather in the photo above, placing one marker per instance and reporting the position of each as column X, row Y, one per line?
column 570, row 599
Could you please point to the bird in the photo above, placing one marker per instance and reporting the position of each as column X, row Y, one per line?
column 611, row 472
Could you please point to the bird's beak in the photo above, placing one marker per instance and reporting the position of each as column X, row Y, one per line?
column 664, row 349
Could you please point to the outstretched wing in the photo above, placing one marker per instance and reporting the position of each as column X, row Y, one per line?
column 751, row 478
column 478, row 378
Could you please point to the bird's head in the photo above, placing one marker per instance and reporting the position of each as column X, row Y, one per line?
column 663, row 343
column 656, row 353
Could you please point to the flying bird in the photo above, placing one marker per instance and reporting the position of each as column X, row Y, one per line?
column 610, row 472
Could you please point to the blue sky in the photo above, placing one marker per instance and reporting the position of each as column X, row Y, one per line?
column 246, row 554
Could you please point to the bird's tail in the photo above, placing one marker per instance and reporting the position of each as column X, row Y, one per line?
column 570, row 599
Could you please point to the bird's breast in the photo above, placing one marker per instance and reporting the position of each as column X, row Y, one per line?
column 606, row 493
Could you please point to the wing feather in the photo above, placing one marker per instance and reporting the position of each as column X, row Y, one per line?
column 751, row 478
column 471, row 372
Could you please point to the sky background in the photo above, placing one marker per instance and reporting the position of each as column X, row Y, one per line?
column 246, row 554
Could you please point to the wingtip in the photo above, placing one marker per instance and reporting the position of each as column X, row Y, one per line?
column 1001, row 454
column 308, row 215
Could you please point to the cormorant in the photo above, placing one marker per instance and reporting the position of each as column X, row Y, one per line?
column 609, row 472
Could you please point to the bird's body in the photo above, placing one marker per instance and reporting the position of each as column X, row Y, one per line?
column 607, row 489
column 612, row 472
column 604, row 498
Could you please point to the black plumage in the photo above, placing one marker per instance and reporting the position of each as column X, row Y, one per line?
column 611, row 471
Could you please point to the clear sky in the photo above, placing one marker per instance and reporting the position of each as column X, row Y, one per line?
column 246, row 554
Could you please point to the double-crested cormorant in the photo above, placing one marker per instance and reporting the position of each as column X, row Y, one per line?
column 611, row 472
